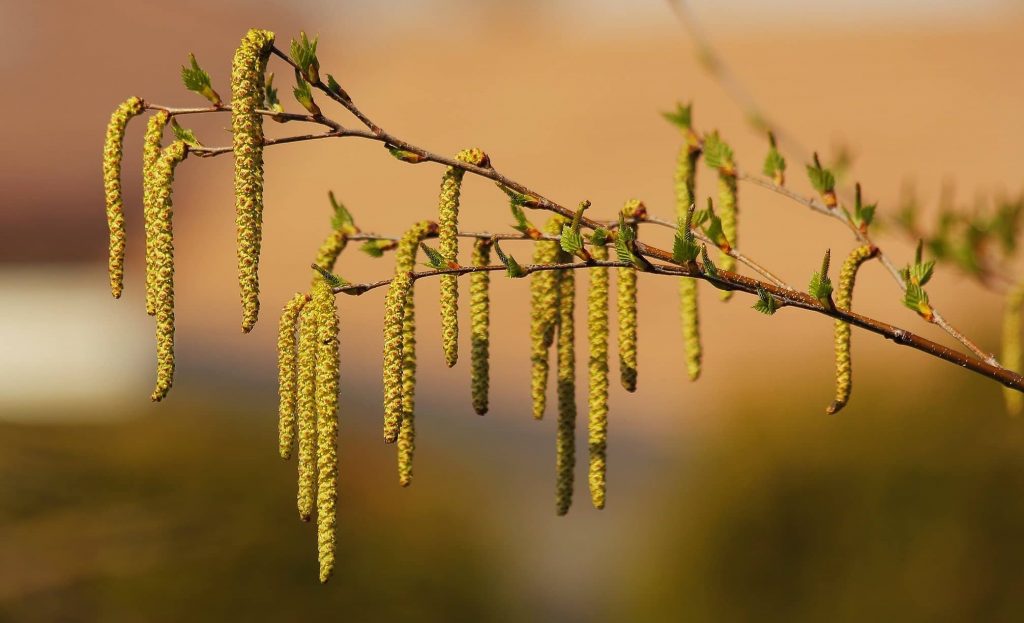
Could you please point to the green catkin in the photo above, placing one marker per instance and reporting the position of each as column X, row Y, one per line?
column 1011, row 355
column 151, row 145
column 306, row 401
column 326, row 398
column 728, row 210
column 566, row 440
column 480, row 325
column 395, row 304
column 287, row 373
column 544, row 286
column 164, row 242
column 113, row 149
column 247, row 94
column 844, row 299
column 685, row 179
column 597, row 330
column 448, row 246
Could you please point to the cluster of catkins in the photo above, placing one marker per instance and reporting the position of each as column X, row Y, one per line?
column 158, row 165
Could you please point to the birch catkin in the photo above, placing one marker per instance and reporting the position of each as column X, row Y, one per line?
column 164, row 252
column 627, row 290
column 728, row 210
column 685, row 179
column 287, row 373
column 326, row 398
column 151, row 145
column 448, row 246
column 113, row 149
column 480, row 325
column 844, row 299
column 307, row 408
column 330, row 249
column 544, row 286
column 395, row 303
column 597, row 336
column 407, row 430
column 1011, row 355
column 566, row 439
column 247, row 93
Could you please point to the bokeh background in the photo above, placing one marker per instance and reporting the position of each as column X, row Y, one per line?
column 733, row 498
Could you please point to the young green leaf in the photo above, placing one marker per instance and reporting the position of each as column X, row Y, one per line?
column 512, row 267
column 718, row 154
column 707, row 266
column 917, row 300
column 821, row 286
column 712, row 226
column 774, row 163
column 518, row 198
column 304, row 95
column 766, row 303
column 335, row 281
column 821, row 178
column 571, row 241
column 197, row 80
column 862, row 214
column 600, row 237
column 341, row 217
column 403, row 155
column 522, row 225
column 681, row 117
column 434, row 259
column 304, row 54
column 684, row 247
column 376, row 248
column 335, row 88
column 185, row 135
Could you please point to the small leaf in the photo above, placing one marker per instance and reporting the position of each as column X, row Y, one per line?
column 520, row 199
column 712, row 226
column 522, row 225
column 766, row 303
column 512, row 267
column 434, row 258
column 341, row 219
column 821, row 179
column 718, row 154
column 821, row 286
column 335, row 281
column 571, row 241
column 185, row 135
column 600, row 237
column 681, row 117
column 917, row 300
column 403, row 155
column 197, row 80
column 376, row 248
column 304, row 95
column 335, row 88
column 304, row 54
column 774, row 163
column 707, row 266
column 270, row 99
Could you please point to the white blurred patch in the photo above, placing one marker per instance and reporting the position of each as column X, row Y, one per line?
column 68, row 350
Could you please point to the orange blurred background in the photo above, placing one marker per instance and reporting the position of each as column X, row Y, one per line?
column 729, row 498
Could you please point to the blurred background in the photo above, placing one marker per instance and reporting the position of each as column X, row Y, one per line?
column 733, row 498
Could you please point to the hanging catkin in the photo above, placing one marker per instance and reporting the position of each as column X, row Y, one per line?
column 728, row 210
column 151, row 145
column 113, row 149
column 844, row 299
column 407, row 430
column 544, row 286
column 287, row 373
column 685, row 179
column 247, row 94
column 480, row 324
column 627, row 290
column 395, row 303
column 1011, row 355
column 330, row 249
column 326, row 398
column 448, row 246
column 597, row 335
column 164, row 242
column 307, row 408
column 566, row 439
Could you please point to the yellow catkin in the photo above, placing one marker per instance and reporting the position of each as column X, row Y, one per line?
column 728, row 210
column 287, row 373
column 685, row 183
column 480, row 325
column 113, row 149
column 565, row 462
column 326, row 398
column 330, row 249
column 1011, row 355
column 306, row 401
column 843, row 300
column 597, row 330
column 543, row 314
column 395, row 304
column 164, row 242
column 247, row 93
column 627, row 290
column 151, row 145
column 407, row 430
column 448, row 246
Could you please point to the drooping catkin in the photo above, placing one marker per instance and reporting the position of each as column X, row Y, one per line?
column 326, row 398
column 287, row 373
column 151, row 145
column 407, row 430
column 448, row 246
column 395, row 303
column 113, row 149
column 247, row 93
column 164, row 243
column 627, row 290
column 566, row 439
column 330, row 249
column 480, row 325
column 306, row 400
column 544, row 287
column 728, row 210
column 597, row 335
column 844, row 299
column 685, row 182
column 1011, row 355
